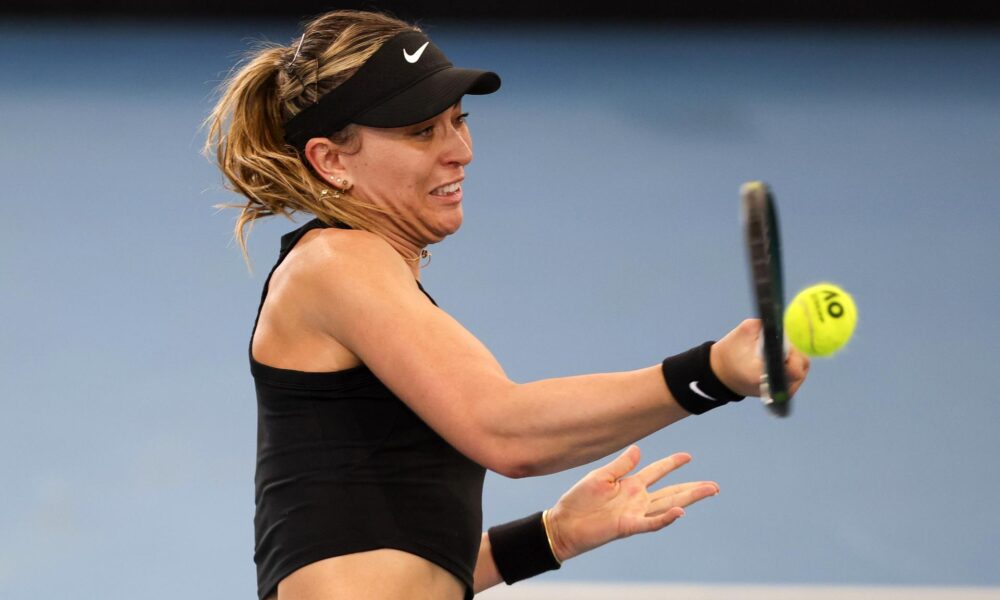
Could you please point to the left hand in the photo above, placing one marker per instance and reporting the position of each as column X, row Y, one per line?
column 607, row 504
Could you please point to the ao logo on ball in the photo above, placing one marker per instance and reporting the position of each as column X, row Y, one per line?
column 820, row 319
column 834, row 309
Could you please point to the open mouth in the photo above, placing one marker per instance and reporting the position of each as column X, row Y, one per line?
column 448, row 190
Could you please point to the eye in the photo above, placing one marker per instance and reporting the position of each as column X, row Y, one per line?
column 428, row 131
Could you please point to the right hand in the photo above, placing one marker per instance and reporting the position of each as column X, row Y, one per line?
column 737, row 363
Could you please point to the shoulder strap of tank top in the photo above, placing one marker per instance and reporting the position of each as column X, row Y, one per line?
column 426, row 294
column 288, row 242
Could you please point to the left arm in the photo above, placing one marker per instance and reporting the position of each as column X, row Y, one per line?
column 606, row 505
column 486, row 575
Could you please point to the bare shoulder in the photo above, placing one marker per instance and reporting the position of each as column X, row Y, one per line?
column 339, row 260
column 341, row 279
column 331, row 248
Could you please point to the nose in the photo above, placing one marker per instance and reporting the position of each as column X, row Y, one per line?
column 458, row 149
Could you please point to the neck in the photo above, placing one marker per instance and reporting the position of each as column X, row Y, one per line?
column 413, row 253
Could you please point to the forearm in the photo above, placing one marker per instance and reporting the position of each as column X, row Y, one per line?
column 486, row 574
column 554, row 424
column 515, row 551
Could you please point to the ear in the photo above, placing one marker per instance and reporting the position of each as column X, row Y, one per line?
column 325, row 157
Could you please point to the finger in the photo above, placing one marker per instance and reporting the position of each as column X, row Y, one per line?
column 652, row 473
column 684, row 498
column 672, row 490
column 797, row 367
column 657, row 522
column 659, row 509
column 621, row 466
column 796, row 364
column 687, row 496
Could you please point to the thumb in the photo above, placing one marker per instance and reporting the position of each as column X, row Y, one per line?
column 620, row 466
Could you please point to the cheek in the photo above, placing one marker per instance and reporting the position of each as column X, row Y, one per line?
column 394, row 175
column 399, row 172
column 410, row 183
column 388, row 182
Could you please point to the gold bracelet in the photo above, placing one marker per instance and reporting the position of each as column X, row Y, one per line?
column 548, row 536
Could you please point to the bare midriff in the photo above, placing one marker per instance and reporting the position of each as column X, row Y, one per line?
column 384, row 574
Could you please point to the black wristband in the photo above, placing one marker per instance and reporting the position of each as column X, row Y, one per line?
column 521, row 548
column 693, row 384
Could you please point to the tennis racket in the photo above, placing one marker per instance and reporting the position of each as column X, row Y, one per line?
column 763, row 243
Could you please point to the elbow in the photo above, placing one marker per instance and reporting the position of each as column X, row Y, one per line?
column 509, row 447
column 513, row 460
column 512, row 470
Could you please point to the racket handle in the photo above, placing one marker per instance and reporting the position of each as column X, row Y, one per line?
column 765, row 388
column 760, row 347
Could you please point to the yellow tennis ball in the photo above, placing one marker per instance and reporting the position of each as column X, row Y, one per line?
column 820, row 319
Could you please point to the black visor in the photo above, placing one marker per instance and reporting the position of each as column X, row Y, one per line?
column 408, row 80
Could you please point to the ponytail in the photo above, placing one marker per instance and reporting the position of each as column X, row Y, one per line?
column 245, row 132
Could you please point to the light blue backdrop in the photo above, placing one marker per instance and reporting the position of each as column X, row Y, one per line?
column 601, row 233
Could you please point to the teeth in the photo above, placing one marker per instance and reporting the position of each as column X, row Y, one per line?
column 448, row 189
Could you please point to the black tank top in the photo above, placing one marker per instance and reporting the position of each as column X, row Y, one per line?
column 344, row 466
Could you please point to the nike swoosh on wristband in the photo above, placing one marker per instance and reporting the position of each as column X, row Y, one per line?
column 694, row 388
column 413, row 58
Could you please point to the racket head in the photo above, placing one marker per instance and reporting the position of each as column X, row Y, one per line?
column 763, row 245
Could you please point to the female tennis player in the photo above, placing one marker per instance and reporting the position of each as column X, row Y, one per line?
column 378, row 413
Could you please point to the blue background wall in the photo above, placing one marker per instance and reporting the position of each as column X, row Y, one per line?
column 601, row 233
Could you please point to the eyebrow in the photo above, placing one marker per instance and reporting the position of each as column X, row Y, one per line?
column 426, row 121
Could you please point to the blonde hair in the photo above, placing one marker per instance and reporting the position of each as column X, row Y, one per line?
column 272, row 85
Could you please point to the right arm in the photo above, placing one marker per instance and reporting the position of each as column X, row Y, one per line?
column 363, row 295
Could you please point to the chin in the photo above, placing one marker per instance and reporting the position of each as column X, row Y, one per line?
column 450, row 223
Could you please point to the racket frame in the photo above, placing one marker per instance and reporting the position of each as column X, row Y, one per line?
column 763, row 245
